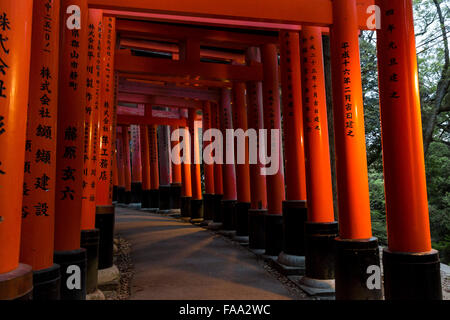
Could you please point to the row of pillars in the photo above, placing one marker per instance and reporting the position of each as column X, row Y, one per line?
column 58, row 113
column 58, row 212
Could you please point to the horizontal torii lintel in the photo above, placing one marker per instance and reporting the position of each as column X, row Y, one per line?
column 165, row 101
column 138, row 120
column 155, row 90
column 233, row 12
column 125, row 63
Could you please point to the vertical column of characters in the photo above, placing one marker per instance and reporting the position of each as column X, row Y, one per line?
column 275, row 174
column 228, row 168
column 106, row 109
column 258, row 187
column 319, row 259
column 355, row 233
column 69, row 156
column 409, row 254
column 93, row 86
column 294, row 208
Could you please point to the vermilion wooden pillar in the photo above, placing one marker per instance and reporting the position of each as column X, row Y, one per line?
column 228, row 168
column 255, row 119
column 165, row 172
column 196, row 203
column 275, row 177
column 115, row 173
column 242, row 162
column 69, row 156
column 409, row 254
column 104, row 220
column 186, row 190
column 320, row 229
column 175, row 186
column 16, row 279
column 154, row 167
column 294, row 208
column 126, row 164
column 145, row 158
column 120, row 165
column 208, row 169
column 356, row 248
column 136, row 165
column 89, row 234
column 218, row 177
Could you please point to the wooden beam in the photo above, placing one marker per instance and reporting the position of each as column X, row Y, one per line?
column 127, row 64
column 179, row 33
column 165, row 101
column 129, row 120
column 235, row 12
column 178, row 81
column 168, row 91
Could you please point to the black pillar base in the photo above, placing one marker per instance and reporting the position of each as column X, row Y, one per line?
column 273, row 227
column 353, row 257
column 175, row 196
column 320, row 249
column 136, row 192
column 196, row 206
column 17, row 284
column 90, row 242
column 104, row 222
column 217, row 205
column 154, row 198
column 145, row 203
column 227, row 208
column 185, row 207
column 66, row 261
column 115, row 189
column 295, row 214
column 256, row 233
column 47, row 283
column 412, row 276
column 241, row 218
column 164, row 197
column 127, row 197
column 121, row 195
column 208, row 207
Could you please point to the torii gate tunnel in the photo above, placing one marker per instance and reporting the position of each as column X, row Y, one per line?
column 215, row 111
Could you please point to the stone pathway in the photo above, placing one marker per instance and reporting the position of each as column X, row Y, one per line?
column 174, row 260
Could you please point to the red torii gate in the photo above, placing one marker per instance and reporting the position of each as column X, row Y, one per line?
column 408, row 222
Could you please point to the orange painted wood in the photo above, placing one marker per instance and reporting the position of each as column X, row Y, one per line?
column 91, row 126
column 240, row 122
column 145, row 157
column 175, row 158
column 403, row 156
column 136, row 163
column 126, row 157
column 208, row 169
column 218, row 176
column 38, row 207
column 128, row 64
column 195, row 156
column 106, row 115
column 349, row 134
column 255, row 120
column 317, row 12
column 272, row 120
column 71, row 115
column 120, row 157
column 315, row 124
column 154, row 164
column 292, row 115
